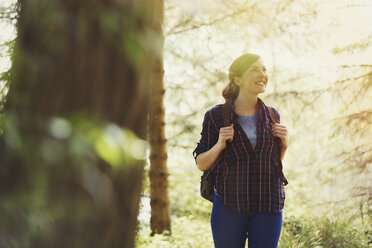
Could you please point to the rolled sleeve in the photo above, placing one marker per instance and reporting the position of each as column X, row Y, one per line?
column 209, row 135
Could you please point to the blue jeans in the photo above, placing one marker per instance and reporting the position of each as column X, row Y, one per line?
column 230, row 228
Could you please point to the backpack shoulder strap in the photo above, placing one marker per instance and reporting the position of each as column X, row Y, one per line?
column 275, row 120
column 226, row 113
column 272, row 115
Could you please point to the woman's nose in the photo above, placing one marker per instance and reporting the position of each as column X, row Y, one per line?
column 263, row 74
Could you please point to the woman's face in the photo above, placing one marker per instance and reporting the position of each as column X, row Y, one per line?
column 254, row 79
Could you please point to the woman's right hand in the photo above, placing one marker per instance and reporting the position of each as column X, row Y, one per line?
column 226, row 134
column 205, row 160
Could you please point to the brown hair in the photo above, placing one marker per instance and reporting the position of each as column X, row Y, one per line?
column 237, row 68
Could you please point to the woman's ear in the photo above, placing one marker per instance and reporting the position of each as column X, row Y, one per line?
column 237, row 80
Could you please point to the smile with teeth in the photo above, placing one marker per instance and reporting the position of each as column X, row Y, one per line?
column 260, row 83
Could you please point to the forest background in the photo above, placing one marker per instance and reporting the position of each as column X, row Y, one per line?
column 319, row 59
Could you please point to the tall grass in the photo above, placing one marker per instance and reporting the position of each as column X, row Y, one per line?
column 324, row 232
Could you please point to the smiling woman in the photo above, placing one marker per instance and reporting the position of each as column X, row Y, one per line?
column 248, row 187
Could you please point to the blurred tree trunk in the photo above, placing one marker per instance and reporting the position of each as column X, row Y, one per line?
column 72, row 150
column 160, row 213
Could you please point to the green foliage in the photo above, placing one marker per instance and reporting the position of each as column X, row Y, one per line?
column 9, row 11
column 323, row 232
column 190, row 213
column 9, row 15
column 64, row 173
column 187, row 232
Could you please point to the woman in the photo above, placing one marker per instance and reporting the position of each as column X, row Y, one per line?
column 249, row 193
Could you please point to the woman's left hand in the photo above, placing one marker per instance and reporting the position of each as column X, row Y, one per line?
column 280, row 131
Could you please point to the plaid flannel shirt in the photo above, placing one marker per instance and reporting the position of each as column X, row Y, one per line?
column 247, row 180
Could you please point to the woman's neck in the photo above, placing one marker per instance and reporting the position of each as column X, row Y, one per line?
column 246, row 104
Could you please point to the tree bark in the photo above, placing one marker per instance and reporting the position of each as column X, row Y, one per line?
column 160, row 212
column 76, row 114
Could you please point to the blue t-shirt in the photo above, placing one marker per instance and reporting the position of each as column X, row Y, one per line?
column 249, row 125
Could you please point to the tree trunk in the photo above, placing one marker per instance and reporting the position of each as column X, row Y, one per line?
column 160, row 213
column 72, row 150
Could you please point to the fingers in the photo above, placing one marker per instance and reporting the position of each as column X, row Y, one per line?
column 279, row 130
column 282, row 134
column 278, row 127
column 229, row 128
column 227, row 133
